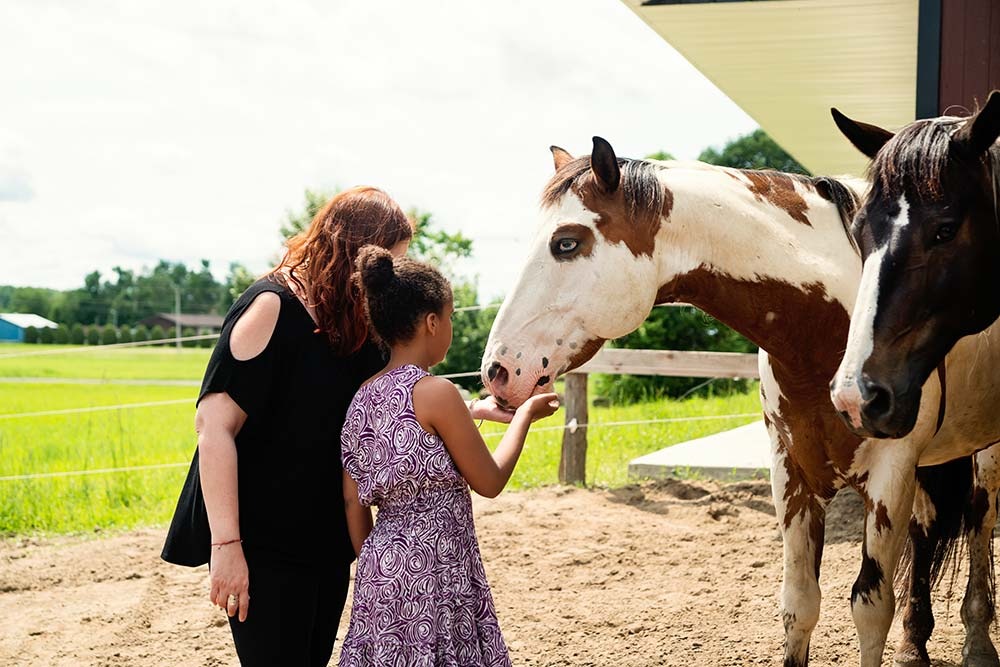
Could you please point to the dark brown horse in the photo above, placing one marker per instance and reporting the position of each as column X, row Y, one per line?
column 929, row 232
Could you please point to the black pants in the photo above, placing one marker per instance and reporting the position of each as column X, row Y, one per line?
column 293, row 616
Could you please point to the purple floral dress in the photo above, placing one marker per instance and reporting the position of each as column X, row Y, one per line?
column 421, row 598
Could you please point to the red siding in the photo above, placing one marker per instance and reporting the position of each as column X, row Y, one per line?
column 970, row 53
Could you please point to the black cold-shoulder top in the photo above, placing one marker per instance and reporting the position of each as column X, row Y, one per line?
column 295, row 394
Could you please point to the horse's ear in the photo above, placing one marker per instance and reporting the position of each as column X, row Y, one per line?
column 979, row 133
column 866, row 138
column 560, row 157
column 604, row 164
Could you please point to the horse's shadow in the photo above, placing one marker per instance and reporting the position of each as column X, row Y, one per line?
column 844, row 515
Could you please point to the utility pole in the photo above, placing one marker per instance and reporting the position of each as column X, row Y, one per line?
column 177, row 315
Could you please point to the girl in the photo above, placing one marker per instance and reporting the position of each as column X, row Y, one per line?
column 262, row 501
column 410, row 447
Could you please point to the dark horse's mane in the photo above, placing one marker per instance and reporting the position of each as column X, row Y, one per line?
column 918, row 157
column 643, row 191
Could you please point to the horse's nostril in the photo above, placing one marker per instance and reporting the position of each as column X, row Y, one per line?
column 493, row 370
column 878, row 399
column 542, row 381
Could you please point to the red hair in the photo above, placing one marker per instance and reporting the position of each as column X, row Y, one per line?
column 321, row 259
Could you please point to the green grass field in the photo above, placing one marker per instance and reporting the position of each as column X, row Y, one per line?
column 143, row 436
column 150, row 363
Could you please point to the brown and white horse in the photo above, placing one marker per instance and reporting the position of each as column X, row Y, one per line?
column 768, row 254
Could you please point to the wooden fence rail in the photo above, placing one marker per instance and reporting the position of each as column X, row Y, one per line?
column 671, row 363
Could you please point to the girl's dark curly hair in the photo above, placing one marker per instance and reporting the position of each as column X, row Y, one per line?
column 398, row 292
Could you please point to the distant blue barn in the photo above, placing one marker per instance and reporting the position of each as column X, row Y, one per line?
column 12, row 326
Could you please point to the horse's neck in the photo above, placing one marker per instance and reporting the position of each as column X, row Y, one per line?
column 782, row 275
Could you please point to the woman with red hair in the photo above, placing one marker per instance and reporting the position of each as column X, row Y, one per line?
column 263, row 501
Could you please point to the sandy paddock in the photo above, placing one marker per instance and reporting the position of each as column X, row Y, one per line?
column 671, row 573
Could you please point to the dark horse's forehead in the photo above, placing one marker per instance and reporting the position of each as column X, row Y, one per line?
column 915, row 162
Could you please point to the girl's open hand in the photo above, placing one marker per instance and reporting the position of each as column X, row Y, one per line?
column 540, row 406
column 487, row 408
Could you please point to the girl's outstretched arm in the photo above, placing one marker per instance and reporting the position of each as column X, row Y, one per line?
column 359, row 517
column 440, row 409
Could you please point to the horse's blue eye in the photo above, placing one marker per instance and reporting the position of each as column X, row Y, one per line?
column 568, row 245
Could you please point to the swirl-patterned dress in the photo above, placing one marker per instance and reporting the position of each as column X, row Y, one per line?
column 421, row 598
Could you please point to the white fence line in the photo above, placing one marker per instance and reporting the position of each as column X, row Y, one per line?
column 111, row 346
column 571, row 426
column 96, row 408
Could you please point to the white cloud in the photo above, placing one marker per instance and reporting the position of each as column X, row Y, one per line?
column 186, row 130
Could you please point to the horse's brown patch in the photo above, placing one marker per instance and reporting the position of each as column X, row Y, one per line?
column 619, row 222
column 584, row 354
column 631, row 214
column 882, row 521
column 582, row 234
column 804, row 354
column 778, row 189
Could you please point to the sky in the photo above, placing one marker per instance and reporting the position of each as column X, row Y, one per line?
column 133, row 131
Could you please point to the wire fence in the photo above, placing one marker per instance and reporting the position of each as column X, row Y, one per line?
column 571, row 426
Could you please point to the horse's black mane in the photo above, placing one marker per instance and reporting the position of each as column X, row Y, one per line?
column 917, row 157
column 642, row 190
column 644, row 193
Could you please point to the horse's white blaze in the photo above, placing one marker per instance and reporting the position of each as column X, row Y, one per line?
column 846, row 393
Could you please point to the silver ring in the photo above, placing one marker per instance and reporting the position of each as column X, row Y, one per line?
column 234, row 600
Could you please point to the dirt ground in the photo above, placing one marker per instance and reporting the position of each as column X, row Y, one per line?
column 670, row 573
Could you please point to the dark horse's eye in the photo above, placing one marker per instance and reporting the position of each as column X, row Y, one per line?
column 945, row 233
column 565, row 246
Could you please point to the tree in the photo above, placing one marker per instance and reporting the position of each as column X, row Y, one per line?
column 77, row 336
column 109, row 335
column 62, row 334
column 756, row 150
column 663, row 156
column 188, row 331
column 125, row 334
column 31, row 335
column 237, row 282
column 471, row 328
column 157, row 333
column 296, row 221
column 93, row 335
column 141, row 333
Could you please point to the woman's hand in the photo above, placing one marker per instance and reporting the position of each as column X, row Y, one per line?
column 487, row 408
column 230, row 579
column 540, row 406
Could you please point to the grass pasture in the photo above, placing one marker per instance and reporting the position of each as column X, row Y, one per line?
column 162, row 435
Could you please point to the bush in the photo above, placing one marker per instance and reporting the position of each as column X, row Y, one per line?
column 188, row 331
column 77, row 335
column 675, row 328
column 207, row 342
column 471, row 329
column 125, row 334
column 46, row 335
column 157, row 333
column 93, row 335
column 62, row 334
column 141, row 333
column 109, row 335
column 31, row 335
